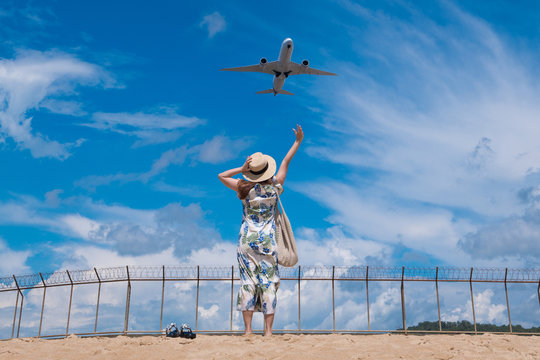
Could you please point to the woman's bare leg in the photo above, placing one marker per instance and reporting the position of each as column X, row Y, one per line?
column 248, row 315
column 268, row 322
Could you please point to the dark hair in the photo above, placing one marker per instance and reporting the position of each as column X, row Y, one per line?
column 245, row 186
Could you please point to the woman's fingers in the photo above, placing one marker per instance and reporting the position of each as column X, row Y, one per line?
column 298, row 132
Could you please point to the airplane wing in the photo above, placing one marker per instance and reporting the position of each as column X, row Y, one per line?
column 298, row 69
column 267, row 68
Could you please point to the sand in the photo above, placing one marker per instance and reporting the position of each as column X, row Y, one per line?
column 288, row 346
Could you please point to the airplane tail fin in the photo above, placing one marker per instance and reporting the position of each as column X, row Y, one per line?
column 285, row 92
column 269, row 91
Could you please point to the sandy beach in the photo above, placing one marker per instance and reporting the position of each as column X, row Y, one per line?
column 288, row 346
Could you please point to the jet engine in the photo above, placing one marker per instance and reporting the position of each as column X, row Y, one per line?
column 263, row 61
column 305, row 63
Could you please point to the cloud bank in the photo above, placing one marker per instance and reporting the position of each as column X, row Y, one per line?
column 33, row 78
column 437, row 134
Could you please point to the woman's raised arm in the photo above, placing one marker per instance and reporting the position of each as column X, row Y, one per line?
column 226, row 177
column 284, row 167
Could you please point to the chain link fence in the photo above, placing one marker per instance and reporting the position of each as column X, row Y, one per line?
column 166, row 274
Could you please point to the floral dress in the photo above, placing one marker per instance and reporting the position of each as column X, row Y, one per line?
column 257, row 250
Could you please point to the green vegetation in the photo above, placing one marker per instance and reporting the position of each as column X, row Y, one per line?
column 464, row 325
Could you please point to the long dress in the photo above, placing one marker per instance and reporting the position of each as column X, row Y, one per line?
column 257, row 250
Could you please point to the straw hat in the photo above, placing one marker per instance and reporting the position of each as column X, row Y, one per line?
column 262, row 167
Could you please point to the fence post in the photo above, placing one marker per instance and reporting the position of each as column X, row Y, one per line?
column 538, row 291
column 128, row 301
column 197, row 302
column 472, row 301
column 162, row 297
column 367, row 297
column 20, row 310
column 507, row 303
column 333, row 301
column 232, row 290
column 299, row 308
column 70, row 298
column 437, row 290
column 98, row 295
column 403, row 301
column 42, row 304
column 15, row 315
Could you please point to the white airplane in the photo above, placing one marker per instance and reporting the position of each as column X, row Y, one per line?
column 281, row 69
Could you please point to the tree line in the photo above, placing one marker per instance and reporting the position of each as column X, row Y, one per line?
column 465, row 325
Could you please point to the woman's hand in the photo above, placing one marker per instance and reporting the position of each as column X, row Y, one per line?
column 299, row 133
column 245, row 167
column 284, row 167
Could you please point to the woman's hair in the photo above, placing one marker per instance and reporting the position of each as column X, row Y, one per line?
column 245, row 186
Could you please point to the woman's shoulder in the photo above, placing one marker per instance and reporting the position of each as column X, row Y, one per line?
column 277, row 185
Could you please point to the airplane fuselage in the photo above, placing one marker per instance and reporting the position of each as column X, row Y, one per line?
column 284, row 59
column 280, row 69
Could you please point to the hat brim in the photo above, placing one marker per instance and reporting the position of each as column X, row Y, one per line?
column 249, row 176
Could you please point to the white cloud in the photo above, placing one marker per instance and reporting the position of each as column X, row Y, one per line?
column 517, row 235
column 216, row 150
column 208, row 313
column 485, row 311
column 82, row 256
column 386, row 223
column 175, row 156
column 222, row 253
column 183, row 227
column 184, row 190
column 31, row 78
column 91, row 182
column 52, row 198
column 13, row 261
column 154, row 127
column 64, row 107
column 26, row 212
column 220, row 149
column 334, row 247
column 514, row 236
column 447, row 134
column 80, row 225
column 126, row 230
column 214, row 22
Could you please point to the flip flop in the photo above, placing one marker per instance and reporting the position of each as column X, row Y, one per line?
column 186, row 332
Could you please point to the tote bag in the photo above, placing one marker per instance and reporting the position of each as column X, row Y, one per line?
column 286, row 246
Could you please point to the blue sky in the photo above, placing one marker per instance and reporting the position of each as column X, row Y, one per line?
column 115, row 121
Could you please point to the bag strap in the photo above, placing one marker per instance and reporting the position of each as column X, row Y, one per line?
column 279, row 200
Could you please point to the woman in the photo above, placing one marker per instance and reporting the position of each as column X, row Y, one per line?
column 257, row 251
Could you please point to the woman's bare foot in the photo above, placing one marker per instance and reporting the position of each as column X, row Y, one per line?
column 268, row 321
column 247, row 315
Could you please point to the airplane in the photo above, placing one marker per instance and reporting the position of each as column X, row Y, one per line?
column 281, row 69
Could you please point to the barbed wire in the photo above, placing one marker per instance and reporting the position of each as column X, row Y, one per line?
column 322, row 272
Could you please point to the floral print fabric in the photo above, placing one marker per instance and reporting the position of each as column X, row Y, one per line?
column 257, row 250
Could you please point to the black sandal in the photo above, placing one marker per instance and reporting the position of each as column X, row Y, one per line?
column 171, row 330
column 186, row 332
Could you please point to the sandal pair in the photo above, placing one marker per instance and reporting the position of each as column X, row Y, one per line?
column 185, row 331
